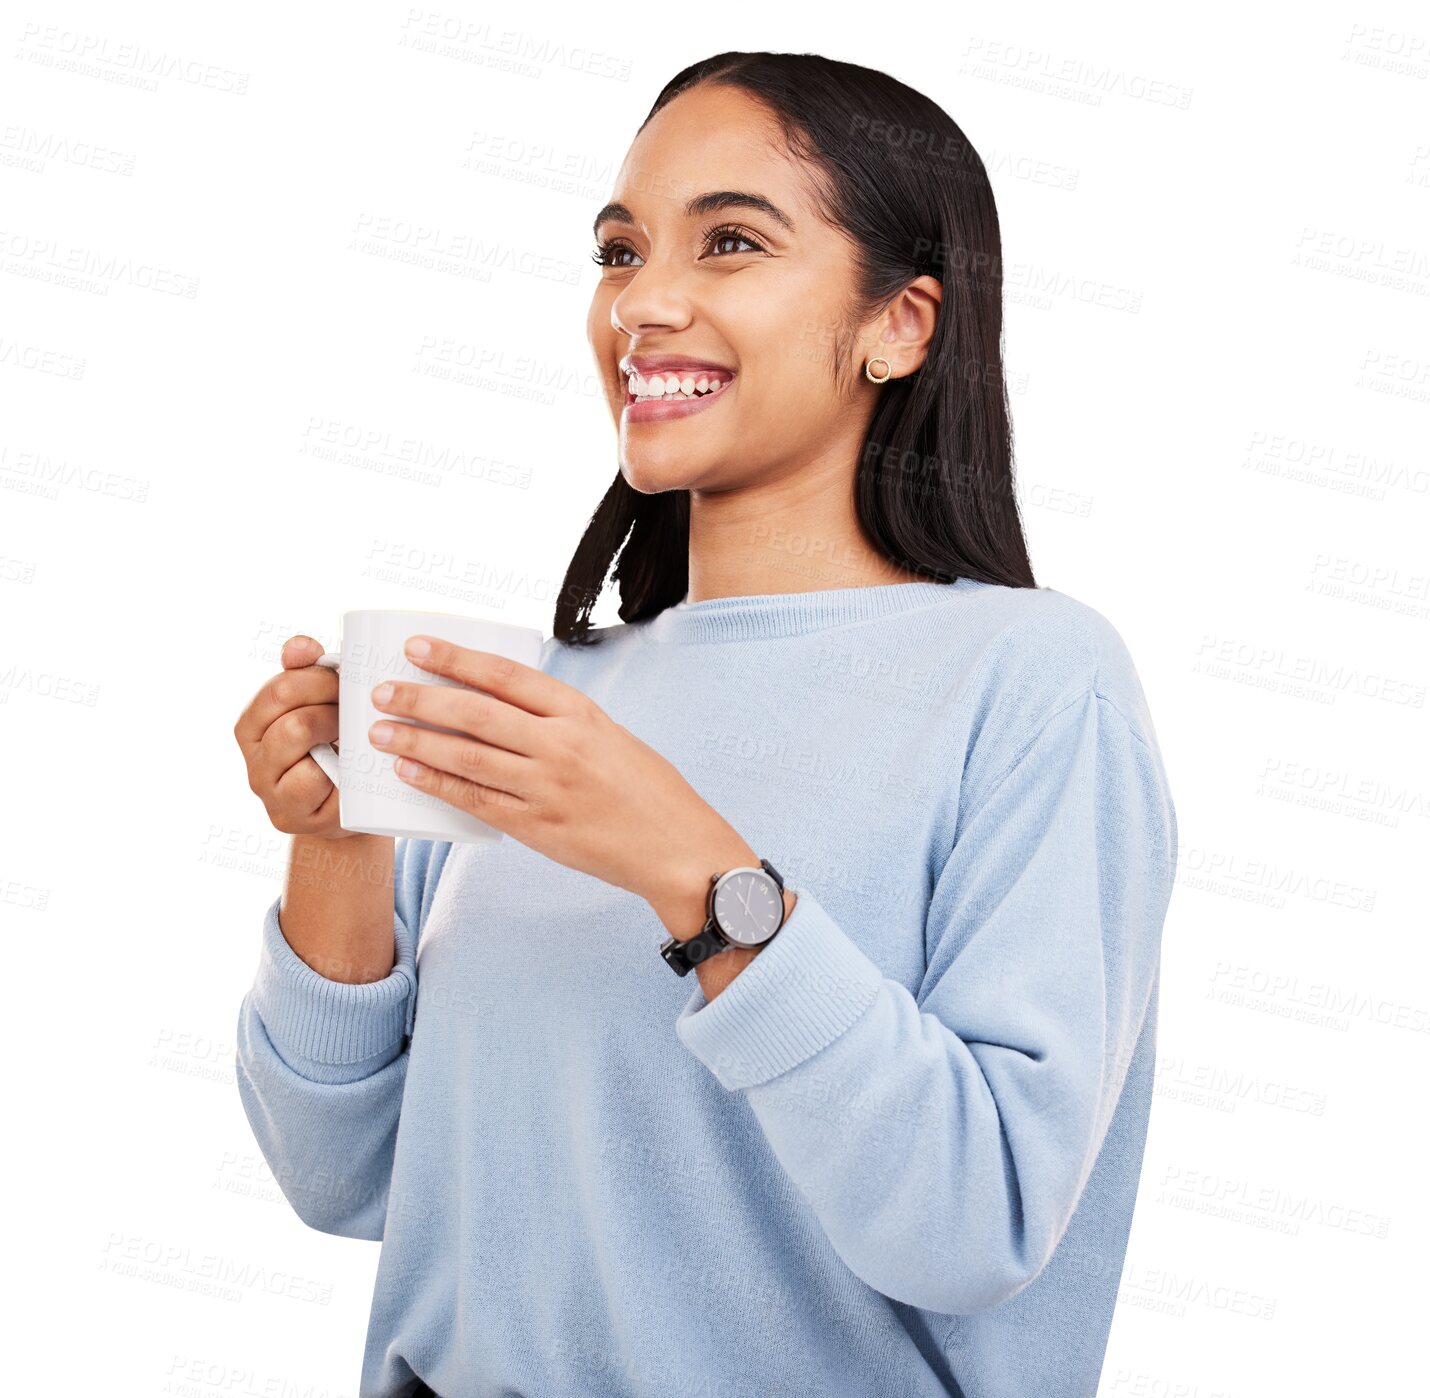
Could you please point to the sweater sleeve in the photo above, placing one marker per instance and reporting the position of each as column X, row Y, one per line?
column 321, row 1064
column 943, row 1139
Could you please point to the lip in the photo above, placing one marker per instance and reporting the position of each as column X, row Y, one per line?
column 647, row 364
column 656, row 411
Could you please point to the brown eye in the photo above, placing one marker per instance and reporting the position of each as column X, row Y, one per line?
column 606, row 253
column 609, row 252
column 730, row 232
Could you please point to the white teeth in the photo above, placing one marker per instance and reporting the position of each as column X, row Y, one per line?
column 658, row 386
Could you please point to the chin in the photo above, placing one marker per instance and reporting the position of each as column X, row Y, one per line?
column 656, row 479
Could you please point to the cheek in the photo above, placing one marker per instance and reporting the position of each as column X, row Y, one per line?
column 604, row 349
column 782, row 329
column 599, row 331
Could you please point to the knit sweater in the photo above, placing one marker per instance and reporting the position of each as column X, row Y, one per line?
column 896, row 1157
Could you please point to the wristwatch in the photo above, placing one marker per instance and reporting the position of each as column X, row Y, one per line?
column 744, row 907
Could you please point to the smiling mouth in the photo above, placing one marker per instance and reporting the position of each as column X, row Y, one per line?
column 692, row 387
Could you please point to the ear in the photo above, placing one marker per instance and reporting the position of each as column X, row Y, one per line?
column 907, row 325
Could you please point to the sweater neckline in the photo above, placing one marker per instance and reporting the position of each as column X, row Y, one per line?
column 759, row 615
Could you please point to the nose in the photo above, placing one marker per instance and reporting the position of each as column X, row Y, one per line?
column 651, row 300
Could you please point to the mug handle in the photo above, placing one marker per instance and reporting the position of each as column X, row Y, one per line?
column 325, row 754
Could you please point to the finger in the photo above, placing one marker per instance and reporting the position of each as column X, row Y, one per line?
column 300, row 683
column 483, row 716
column 528, row 688
column 293, row 689
column 305, row 788
column 283, row 749
column 474, row 761
column 496, row 807
column 329, row 806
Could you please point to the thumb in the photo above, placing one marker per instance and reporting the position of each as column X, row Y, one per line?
column 299, row 651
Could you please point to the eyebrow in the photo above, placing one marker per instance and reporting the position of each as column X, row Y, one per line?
column 703, row 204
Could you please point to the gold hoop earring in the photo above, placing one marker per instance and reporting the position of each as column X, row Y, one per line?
column 888, row 369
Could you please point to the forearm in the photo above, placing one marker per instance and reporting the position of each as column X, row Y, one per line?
column 337, row 906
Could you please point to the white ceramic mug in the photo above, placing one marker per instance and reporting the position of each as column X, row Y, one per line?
column 372, row 798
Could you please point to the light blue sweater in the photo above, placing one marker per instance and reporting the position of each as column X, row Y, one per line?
column 897, row 1157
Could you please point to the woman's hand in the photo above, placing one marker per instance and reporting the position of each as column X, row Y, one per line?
column 545, row 764
column 293, row 711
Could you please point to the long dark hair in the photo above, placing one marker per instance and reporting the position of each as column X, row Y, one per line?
column 933, row 488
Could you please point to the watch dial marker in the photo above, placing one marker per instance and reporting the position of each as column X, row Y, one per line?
column 748, row 907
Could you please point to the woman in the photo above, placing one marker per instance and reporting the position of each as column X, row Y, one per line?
column 880, row 1133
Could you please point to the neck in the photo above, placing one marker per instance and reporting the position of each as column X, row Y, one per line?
column 794, row 535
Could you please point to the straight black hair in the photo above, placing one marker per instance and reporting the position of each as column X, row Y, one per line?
column 933, row 488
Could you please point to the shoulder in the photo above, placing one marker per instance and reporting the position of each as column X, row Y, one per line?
column 577, row 662
column 1035, row 654
column 1037, row 649
column 557, row 655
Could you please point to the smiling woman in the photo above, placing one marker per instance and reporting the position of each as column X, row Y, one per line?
column 893, row 815
column 823, row 241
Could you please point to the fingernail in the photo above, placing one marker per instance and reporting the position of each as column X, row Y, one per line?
column 382, row 693
column 419, row 645
column 380, row 733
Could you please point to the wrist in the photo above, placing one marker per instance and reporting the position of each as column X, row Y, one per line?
column 680, row 899
column 718, row 972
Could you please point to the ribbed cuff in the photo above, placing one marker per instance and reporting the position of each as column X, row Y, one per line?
column 318, row 1025
column 800, row 993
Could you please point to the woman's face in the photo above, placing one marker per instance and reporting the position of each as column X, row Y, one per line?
column 725, row 292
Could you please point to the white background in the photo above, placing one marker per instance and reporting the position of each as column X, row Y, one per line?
column 217, row 332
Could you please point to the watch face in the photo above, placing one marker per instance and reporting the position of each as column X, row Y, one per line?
column 748, row 906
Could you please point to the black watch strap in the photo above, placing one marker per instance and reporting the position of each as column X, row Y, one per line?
column 684, row 956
